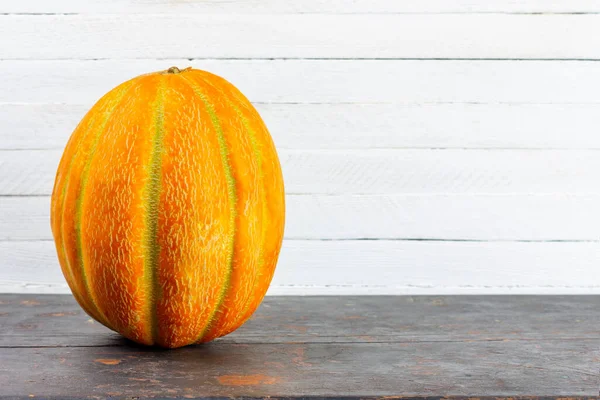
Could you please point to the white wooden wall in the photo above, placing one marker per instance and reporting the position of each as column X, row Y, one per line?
column 430, row 146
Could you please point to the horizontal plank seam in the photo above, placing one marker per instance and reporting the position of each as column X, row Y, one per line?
column 401, row 195
column 342, row 103
column 497, row 12
column 286, row 338
column 431, row 239
column 550, row 59
column 384, row 239
column 397, row 103
column 592, row 192
column 440, row 286
column 354, row 286
column 346, row 151
column 367, row 148
column 347, row 343
column 366, row 194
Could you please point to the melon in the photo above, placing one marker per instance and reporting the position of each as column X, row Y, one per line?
column 168, row 209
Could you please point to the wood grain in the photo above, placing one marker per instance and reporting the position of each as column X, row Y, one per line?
column 434, row 217
column 324, row 370
column 284, row 36
column 440, row 171
column 394, row 267
column 303, row 7
column 399, row 120
column 40, row 320
column 322, row 81
column 323, row 346
column 389, row 171
column 337, row 126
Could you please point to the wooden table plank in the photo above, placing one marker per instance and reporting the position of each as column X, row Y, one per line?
column 56, row 320
column 318, row 369
column 422, row 346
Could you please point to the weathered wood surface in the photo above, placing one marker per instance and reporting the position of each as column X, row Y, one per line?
column 285, row 36
column 500, row 217
column 29, row 126
column 322, row 81
column 447, row 146
column 377, row 171
column 374, row 267
column 415, row 346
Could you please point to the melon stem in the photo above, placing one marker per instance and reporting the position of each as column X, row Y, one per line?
column 175, row 70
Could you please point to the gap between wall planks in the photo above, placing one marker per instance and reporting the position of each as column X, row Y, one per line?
column 556, row 217
column 307, row 6
column 322, row 81
column 225, row 36
column 385, row 171
column 378, row 264
column 355, row 126
column 351, row 290
column 300, row 7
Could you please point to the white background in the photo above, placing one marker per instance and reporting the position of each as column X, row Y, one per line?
column 428, row 146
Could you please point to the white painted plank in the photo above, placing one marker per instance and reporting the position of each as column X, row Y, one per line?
column 439, row 217
column 330, row 126
column 349, row 290
column 442, row 217
column 441, row 171
column 32, row 172
column 433, row 264
column 363, row 290
column 378, row 266
column 303, row 7
column 299, row 36
column 322, row 81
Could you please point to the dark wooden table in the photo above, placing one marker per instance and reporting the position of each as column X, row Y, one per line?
column 412, row 346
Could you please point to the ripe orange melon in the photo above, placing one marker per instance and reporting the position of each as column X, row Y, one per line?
column 168, row 209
